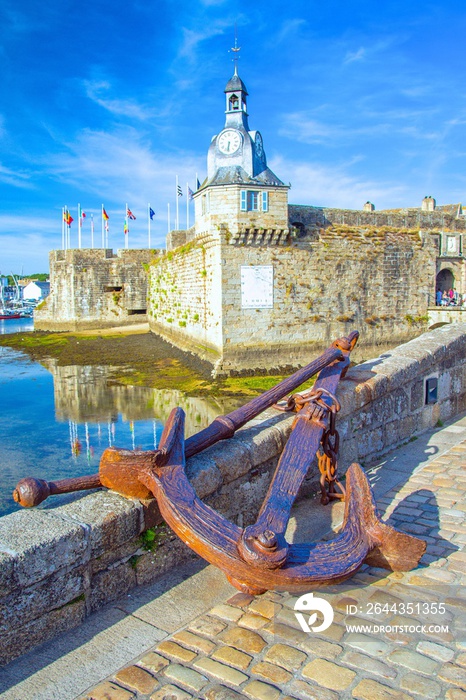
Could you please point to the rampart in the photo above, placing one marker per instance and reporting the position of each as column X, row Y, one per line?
column 446, row 218
column 94, row 288
column 59, row 565
column 323, row 281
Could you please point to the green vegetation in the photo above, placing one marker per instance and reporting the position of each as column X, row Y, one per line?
column 153, row 537
column 416, row 319
column 38, row 277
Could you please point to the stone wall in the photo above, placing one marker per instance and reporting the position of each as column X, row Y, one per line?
column 93, row 288
column 407, row 218
column 325, row 282
column 185, row 296
column 59, row 565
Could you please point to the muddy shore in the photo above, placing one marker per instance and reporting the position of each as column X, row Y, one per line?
column 136, row 357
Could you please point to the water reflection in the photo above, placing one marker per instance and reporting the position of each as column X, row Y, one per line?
column 86, row 394
column 55, row 422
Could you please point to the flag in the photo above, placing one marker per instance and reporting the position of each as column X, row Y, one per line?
column 130, row 214
column 151, row 213
column 180, row 191
column 105, row 215
column 83, row 214
column 67, row 217
column 198, row 184
column 190, row 193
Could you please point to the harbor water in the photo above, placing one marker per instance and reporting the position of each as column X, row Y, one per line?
column 55, row 421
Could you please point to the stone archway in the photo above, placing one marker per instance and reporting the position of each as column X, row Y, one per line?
column 445, row 280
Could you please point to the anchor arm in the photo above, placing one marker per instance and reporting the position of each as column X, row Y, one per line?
column 315, row 564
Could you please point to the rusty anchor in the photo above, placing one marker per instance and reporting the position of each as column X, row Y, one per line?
column 258, row 557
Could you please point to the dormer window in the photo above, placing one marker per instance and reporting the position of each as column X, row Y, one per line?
column 234, row 102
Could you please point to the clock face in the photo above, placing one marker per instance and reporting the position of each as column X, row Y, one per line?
column 229, row 141
column 259, row 145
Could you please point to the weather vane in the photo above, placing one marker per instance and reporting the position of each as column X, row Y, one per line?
column 236, row 49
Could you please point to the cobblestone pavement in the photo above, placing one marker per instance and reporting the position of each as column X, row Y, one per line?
column 394, row 635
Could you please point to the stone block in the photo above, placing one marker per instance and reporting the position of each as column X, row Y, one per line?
column 232, row 459
column 115, row 556
column 110, row 519
column 39, row 630
column 328, row 674
column 192, row 680
column 137, row 678
column 204, row 475
column 26, row 604
column 41, row 543
column 8, row 580
column 110, row 584
column 150, row 565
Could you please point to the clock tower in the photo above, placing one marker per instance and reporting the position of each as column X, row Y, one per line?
column 240, row 191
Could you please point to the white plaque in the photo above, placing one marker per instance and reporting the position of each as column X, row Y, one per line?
column 256, row 286
column 451, row 244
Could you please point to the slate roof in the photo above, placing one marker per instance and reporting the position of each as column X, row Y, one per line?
column 236, row 175
column 234, row 84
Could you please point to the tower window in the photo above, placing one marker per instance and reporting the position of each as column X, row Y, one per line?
column 205, row 203
column 253, row 200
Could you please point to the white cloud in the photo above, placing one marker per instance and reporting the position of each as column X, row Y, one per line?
column 15, row 178
column 25, row 249
column 353, row 56
column 192, row 38
column 302, row 128
column 97, row 91
column 334, row 186
column 288, row 29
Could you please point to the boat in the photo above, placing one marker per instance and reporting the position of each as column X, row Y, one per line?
column 5, row 316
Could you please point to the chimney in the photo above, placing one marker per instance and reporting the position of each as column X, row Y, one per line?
column 428, row 203
column 368, row 206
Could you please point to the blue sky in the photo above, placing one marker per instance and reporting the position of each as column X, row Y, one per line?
column 105, row 102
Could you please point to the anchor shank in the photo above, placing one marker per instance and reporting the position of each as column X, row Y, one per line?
column 264, row 542
column 296, row 459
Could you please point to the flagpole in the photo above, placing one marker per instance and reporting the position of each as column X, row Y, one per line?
column 148, row 225
column 79, row 225
column 102, row 229
column 67, row 231
column 63, row 228
column 127, row 227
column 187, row 206
column 92, row 230
column 177, row 220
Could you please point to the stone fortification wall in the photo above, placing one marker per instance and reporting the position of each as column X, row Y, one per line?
column 185, row 296
column 93, row 288
column 409, row 218
column 378, row 280
column 59, row 565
